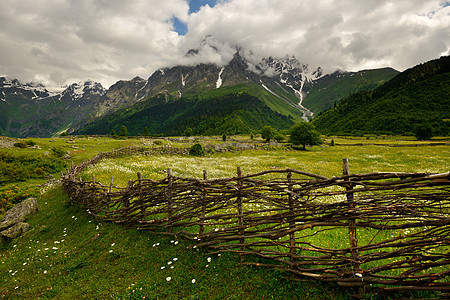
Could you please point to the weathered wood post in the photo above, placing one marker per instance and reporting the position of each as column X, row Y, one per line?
column 126, row 200
column 204, row 197
column 291, row 216
column 141, row 202
column 111, row 184
column 240, row 211
column 351, row 222
column 169, row 199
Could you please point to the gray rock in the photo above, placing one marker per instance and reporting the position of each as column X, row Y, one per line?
column 13, row 224
column 16, row 230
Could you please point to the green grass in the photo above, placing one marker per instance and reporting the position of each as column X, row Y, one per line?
column 323, row 160
column 69, row 255
column 103, row 260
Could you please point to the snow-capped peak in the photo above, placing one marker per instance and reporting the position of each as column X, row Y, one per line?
column 77, row 90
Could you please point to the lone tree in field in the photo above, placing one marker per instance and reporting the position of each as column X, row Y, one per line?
column 146, row 132
column 123, row 131
column 188, row 132
column 267, row 133
column 423, row 132
column 304, row 134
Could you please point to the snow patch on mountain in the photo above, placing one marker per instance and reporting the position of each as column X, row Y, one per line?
column 77, row 90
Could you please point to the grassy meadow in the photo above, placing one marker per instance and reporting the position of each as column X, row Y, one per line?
column 67, row 254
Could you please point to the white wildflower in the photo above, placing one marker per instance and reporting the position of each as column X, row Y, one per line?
column 193, row 280
column 169, row 278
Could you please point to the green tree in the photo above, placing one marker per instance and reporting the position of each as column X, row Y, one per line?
column 279, row 137
column 252, row 136
column 123, row 131
column 267, row 133
column 304, row 134
column 224, row 137
column 188, row 132
column 423, row 132
column 146, row 132
column 113, row 133
column 197, row 150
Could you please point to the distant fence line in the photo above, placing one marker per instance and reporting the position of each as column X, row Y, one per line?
column 376, row 231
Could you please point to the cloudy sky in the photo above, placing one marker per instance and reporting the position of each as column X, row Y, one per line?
column 58, row 42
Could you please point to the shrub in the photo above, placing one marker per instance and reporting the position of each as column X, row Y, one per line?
column 197, row 150
column 123, row 131
column 30, row 143
column 267, row 133
column 14, row 167
column 11, row 194
column 188, row 132
column 20, row 145
column 279, row 137
column 58, row 152
column 423, row 132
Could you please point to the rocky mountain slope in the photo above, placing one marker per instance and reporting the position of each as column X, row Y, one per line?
column 283, row 85
column 28, row 109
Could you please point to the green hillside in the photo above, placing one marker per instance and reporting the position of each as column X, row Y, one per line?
column 21, row 117
column 232, row 110
column 334, row 87
column 418, row 96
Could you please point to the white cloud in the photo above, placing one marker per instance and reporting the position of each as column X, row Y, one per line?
column 60, row 41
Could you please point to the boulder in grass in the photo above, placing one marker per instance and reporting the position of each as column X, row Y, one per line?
column 13, row 223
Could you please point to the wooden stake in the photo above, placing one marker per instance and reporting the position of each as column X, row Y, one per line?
column 239, row 208
column 291, row 216
column 204, row 199
column 351, row 223
column 169, row 199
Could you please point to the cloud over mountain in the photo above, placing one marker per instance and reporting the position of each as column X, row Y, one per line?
column 61, row 41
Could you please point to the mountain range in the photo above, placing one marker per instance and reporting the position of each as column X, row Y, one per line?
column 240, row 97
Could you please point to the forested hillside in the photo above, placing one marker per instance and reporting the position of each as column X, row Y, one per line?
column 230, row 113
column 416, row 97
column 330, row 89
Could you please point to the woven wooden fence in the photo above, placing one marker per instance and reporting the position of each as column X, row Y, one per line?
column 377, row 231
